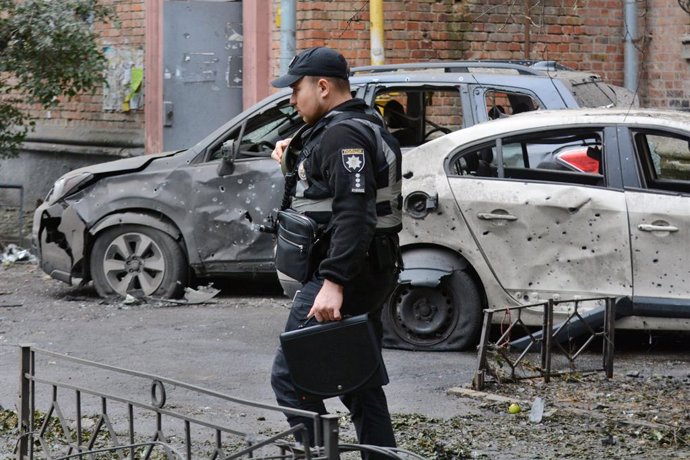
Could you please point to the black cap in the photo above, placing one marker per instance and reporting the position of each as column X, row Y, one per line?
column 314, row 62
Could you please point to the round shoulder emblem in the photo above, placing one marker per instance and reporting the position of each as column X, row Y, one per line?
column 302, row 171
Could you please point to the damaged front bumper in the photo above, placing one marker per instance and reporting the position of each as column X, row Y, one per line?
column 58, row 235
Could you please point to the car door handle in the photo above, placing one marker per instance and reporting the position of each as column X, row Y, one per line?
column 657, row 228
column 494, row 216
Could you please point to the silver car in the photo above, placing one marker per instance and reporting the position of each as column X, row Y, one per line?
column 550, row 204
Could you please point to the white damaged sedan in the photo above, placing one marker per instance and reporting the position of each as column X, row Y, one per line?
column 561, row 204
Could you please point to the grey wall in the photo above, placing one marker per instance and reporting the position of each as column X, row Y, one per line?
column 35, row 171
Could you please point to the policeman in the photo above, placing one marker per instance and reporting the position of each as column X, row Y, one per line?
column 349, row 173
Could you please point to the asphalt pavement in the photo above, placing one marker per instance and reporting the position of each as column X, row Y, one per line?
column 227, row 346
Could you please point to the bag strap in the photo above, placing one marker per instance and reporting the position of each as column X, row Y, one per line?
column 290, row 172
column 290, row 182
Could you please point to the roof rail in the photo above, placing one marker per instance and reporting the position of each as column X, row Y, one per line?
column 522, row 67
column 535, row 64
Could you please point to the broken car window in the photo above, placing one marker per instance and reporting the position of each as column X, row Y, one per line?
column 417, row 116
column 504, row 103
column 665, row 160
column 569, row 157
column 262, row 131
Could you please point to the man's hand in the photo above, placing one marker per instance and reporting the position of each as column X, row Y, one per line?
column 277, row 153
column 328, row 302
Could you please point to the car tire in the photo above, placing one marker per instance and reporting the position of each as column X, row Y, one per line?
column 137, row 259
column 442, row 318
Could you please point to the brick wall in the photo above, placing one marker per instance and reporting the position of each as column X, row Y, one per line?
column 124, row 38
column 88, row 129
column 586, row 35
column 664, row 70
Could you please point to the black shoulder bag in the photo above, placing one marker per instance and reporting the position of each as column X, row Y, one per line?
column 296, row 234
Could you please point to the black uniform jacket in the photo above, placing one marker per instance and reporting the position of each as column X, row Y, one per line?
column 341, row 167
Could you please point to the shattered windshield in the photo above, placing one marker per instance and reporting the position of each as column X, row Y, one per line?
column 271, row 125
column 260, row 132
column 594, row 93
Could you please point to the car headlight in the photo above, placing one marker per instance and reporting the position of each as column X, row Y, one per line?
column 67, row 184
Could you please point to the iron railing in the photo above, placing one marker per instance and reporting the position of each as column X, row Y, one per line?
column 50, row 434
column 550, row 339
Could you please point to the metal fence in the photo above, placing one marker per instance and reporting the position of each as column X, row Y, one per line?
column 508, row 352
column 118, row 427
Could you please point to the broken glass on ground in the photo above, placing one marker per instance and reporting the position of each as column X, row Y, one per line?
column 14, row 254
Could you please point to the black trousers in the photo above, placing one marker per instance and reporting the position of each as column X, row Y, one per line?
column 368, row 407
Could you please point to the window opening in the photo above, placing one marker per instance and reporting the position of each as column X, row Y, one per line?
column 665, row 160
column 574, row 157
column 416, row 116
column 501, row 104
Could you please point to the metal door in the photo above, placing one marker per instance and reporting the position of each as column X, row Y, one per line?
column 660, row 240
column 202, row 79
column 544, row 231
column 541, row 238
column 659, row 216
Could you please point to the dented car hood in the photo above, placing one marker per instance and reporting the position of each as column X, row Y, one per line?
column 121, row 166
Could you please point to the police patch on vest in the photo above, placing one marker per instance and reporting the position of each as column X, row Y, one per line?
column 353, row 160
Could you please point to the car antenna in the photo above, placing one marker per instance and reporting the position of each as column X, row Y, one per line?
column 552, row 78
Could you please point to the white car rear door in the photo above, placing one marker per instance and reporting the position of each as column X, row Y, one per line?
column 544, row 228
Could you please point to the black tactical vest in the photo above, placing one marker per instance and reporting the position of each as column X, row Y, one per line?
column 387, row 164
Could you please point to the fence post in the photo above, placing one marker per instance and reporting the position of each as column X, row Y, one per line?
column 544, row 332
column 547, row 335
column 24, row 402
column 609, row 335
column 480, row 373
column 330, row 434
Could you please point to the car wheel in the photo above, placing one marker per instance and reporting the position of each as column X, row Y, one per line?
column 446, row 317
column 133, row 258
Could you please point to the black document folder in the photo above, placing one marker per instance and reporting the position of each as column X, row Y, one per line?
column 335, row 358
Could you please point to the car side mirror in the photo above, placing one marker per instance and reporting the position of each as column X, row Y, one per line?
column 227, row 162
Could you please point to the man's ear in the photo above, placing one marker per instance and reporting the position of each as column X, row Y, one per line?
column 324, row 86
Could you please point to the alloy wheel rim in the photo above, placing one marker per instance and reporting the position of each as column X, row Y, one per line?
column 134, row 261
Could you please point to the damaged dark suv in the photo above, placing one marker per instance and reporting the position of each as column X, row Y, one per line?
column 158, row 223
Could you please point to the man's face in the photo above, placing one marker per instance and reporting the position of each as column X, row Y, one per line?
column 307, row 99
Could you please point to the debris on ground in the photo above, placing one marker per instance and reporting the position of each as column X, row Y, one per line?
column 536, row 412
column 11, row 305
column 645, row 416
column 131, row 300
column 642, row 412
column 14, row 254
column 201, row 295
